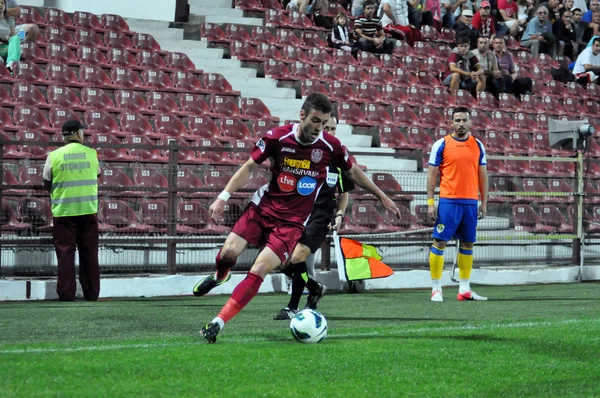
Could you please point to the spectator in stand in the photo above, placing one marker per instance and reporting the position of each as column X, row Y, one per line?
column 509, row 10
column 553, row 7
column 357, row 8
column 431, row 14
column 587, row 66
column 308, row 6
column 594, row 7
column 414, row 13
column 564, row 31
column 526, row 9
column 14, row 11
column 538, row 35
column 582, row 29
column 452, row 9
column 369, row 31
column 464, row 28
column 484, row 22
column 567, row 5
column 394, row 17
column 464, row 70
column 10, row 43
column 494, row 83
column 595, row 25
column 508, row 67
column 340, row 35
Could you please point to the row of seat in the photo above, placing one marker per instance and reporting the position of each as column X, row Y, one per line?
column 29, row 100
column 79, row 19
column 118, row 77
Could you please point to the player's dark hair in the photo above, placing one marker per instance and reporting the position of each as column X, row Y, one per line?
column 463, row 40
column 317, row 101
column 576, row 10
column 461, row 109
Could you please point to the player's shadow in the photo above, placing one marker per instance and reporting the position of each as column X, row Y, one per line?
column 367, row 318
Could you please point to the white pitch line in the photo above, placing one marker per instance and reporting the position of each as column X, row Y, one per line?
column 394, row 333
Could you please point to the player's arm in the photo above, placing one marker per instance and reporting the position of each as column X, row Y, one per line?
column 483, row 190
column 14, row 12
column 432, row 175
column 357, row 176
column 239, row 179
column 342, row 204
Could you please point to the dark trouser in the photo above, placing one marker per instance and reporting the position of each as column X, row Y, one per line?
column 386, row 47
column 79, row 232
column 519, row 86
column 494, row 85
column 414, row 17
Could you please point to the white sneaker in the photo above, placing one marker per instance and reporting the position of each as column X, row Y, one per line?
column 470, row 295
column 436, row 295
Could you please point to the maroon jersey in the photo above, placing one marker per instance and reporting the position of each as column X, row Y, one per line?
column 298, row 171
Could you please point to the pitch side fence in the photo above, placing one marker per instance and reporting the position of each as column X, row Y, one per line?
column 154, row 213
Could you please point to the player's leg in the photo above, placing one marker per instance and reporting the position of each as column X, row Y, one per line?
column 297, row 268
column 466, row 233
column 443, row 231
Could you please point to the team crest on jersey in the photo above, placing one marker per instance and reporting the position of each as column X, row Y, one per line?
column 261, row 145
column 317, row 155
column 440, row 228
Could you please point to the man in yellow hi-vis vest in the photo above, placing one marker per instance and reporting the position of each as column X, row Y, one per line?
column 71, row 176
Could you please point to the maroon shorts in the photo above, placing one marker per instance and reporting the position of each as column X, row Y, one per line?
column 260, row 229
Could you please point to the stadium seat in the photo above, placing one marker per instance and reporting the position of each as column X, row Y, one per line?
column 313, row 40
column 423, row 219
column 9, row 180
column 163, row 102
column 524, row 123
column 216, row 83
column 62, row 74
column 187, row 82
column 254, row 108
column 5, row 75
column 380, row 76
column 114, row 22
column 169, row 125
column 392, row 137
column 517, row 167
column 261, row 35
column 390, row 62
column 419, row 138
column 405, row 78
column 540, row 145
column 496, row 167
column 464, row 98
column 367, row 59
column 95, row 76
column 211, row 151
column 187, row 181
column 262, row 127
column 88, row 38
column 28, row 72
column 567, row 169
column 526, row 219
column 237, row 33
column 366, row 216
column 111, row 154
column 137, row 124
column 300, row 21
column 429, row 81
column 59, row 35
column 115, row 182
column 157, row 80
column 519, row 144
column 302, row 70
column 416, row 96
column 155, row 213
column 393, row 94
column 369, row 93
column 216, row 179
column 591, row 108
column 293, row 54
column 39, row 152
column 232, row 129
column 151, row 178
column 405, row 116
column 203, row 126
column 350, row 113
column 551, row 216
column 541, row 168
column 194, row 105
column 180, row 62
column 556, row 185
column 120, row 57
column 194, row 218
column 146, row 155
column 28, row 94
column 308, row 87
column 402, row 49
column 58, row 115
column 377, row 114
column 6, row 121
column 118, row 39
column 330, row 73
column 244, row 51
column 479, row 120
column 424, row 50
column 35, row 212
column 355, row 74
column 487, row 102
column 430, row 117
column 101, row 121
column 240, row 153
column 31, row 14
column 86, row 20
column 224, row 105
column 574, row 108
column 31, row 52
column 65, row 97
column 341, row 57
column 342, row 91
column 440, row 98
column 6, row 99
column 277, row 70
column 118, row 214
column 536, row 188
column 576, row 90
column 59, row 52
column 266, row 52
column 186, row 148
column 127, row 78
column 131, row 100
column 9, row 221
column 388, row 184
column 30, row 117
column 96, row 98
column 443, row 131
column 430, row 34
column 414, row 64
column 213, row 33
column 501, row 184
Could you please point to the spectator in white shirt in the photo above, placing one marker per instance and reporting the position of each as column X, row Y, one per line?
column 587, row 66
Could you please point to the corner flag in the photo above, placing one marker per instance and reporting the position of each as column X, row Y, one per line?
column 357, row 261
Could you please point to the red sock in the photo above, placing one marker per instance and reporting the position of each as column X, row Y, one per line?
column 223, row 266
column 242, row 294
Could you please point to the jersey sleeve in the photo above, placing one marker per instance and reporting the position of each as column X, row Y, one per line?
column 437, row 150
column 482, row 158
column 265, row 148
column 341, row 157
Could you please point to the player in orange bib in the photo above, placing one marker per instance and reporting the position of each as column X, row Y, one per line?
column 459, row 159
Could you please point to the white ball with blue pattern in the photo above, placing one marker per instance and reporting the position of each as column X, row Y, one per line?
column 309, row 326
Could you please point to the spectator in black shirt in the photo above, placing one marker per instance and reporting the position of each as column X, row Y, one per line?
column 564, row 31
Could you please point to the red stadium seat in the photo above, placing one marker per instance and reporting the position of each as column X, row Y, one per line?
column 517, row 167
column 405, row 78
column 120, row 57
column 137, row 124
column 560, row 185
column 526, row 219
column 320, row 56
column 194, row 105
column 186, row 179
column 441, row 98
column 262, row 35
column 31, row 52
column 308, row 87
column 390, row 62
column 431, row 117
column 261, row 127
column 6, row 121
column 416, row 96
column 240, row 154
column 180, row 61
column 114, row 22
column 214, row 82
column 149, row 177
column 122, row 217
column 35, row 212
column 533, row 186
column 276, row 18
column 592, row 108
column 93, row 56
column 430, row 34
column 28, row 72
column 341, row 57
column 405, row 116
column 355, row 74
column 213, row 33
column 369, row 93
column 203, row 126
column 341, row 91
column 313, row 40
column 187, row 82
column 233, row 129
column 111, row 154
column 350, row 113
column 6, row 99
column 9, row 221
column 117, row 39
column 302, row 70
column 150, row 60
column 169, row 125
column 131, row 100
column 366, row 58
column 62, row 74
column 156, row 214
column 146, row 155
column 330, row 73
column 393, row 94
column 524, row 123
column 88, row 38
column 254, row 108
column 144, row 41
column 406, row 222
column 86, row 20
column 211, row 151
column 59, row 35
column 28, row 94
column 567, row 169
column 195, row 219
column 95, row 76
column 287, row 38
column 520, row 144
column 392, row 137
column 157, row 80
column 540, row 145
column 103, row 122
column 292, row 54
column 55, row 17
column 32, row 118
column 388, row 184
column 366, row 216
column 114, row 177
column 377, row 114
column 479, row 121
column 31, row 15
column 223, row 105
column 423, row 219
column 58, row 115
column 380, row 76
column 266, row 51
column 37, row 152
column 237, row 33
column 96, row 98
column 419, row 138
column 5, row 75
column 162, row 102
column 127, row 78
column 551, row 216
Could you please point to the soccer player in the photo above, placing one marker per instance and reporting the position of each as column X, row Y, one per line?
column 300, row 156
column 314, row 234
column 459, row 159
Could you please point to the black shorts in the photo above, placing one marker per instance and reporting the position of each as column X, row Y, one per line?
column 316, row 230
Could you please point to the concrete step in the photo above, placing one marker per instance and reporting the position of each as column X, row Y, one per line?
column 385, row 163
column 191, row 48
column 355, row 140
column 232, row 73
column 212, row 11
column 267, row 92
column 218, row 19
column 211, row 3
column 155, row 28
column 201, row 62
column 253, row 82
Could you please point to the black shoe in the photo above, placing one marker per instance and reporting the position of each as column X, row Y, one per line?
column 210, row 332
column 207, row 284
column 314, row 297
column 285, row 314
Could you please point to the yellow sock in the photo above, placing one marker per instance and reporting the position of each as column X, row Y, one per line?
column 436, row 262
column 465, row 263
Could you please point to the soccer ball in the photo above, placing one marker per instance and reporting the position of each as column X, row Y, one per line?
column 308, row 326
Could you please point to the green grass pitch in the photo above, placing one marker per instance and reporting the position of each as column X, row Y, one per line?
column 525, row 341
